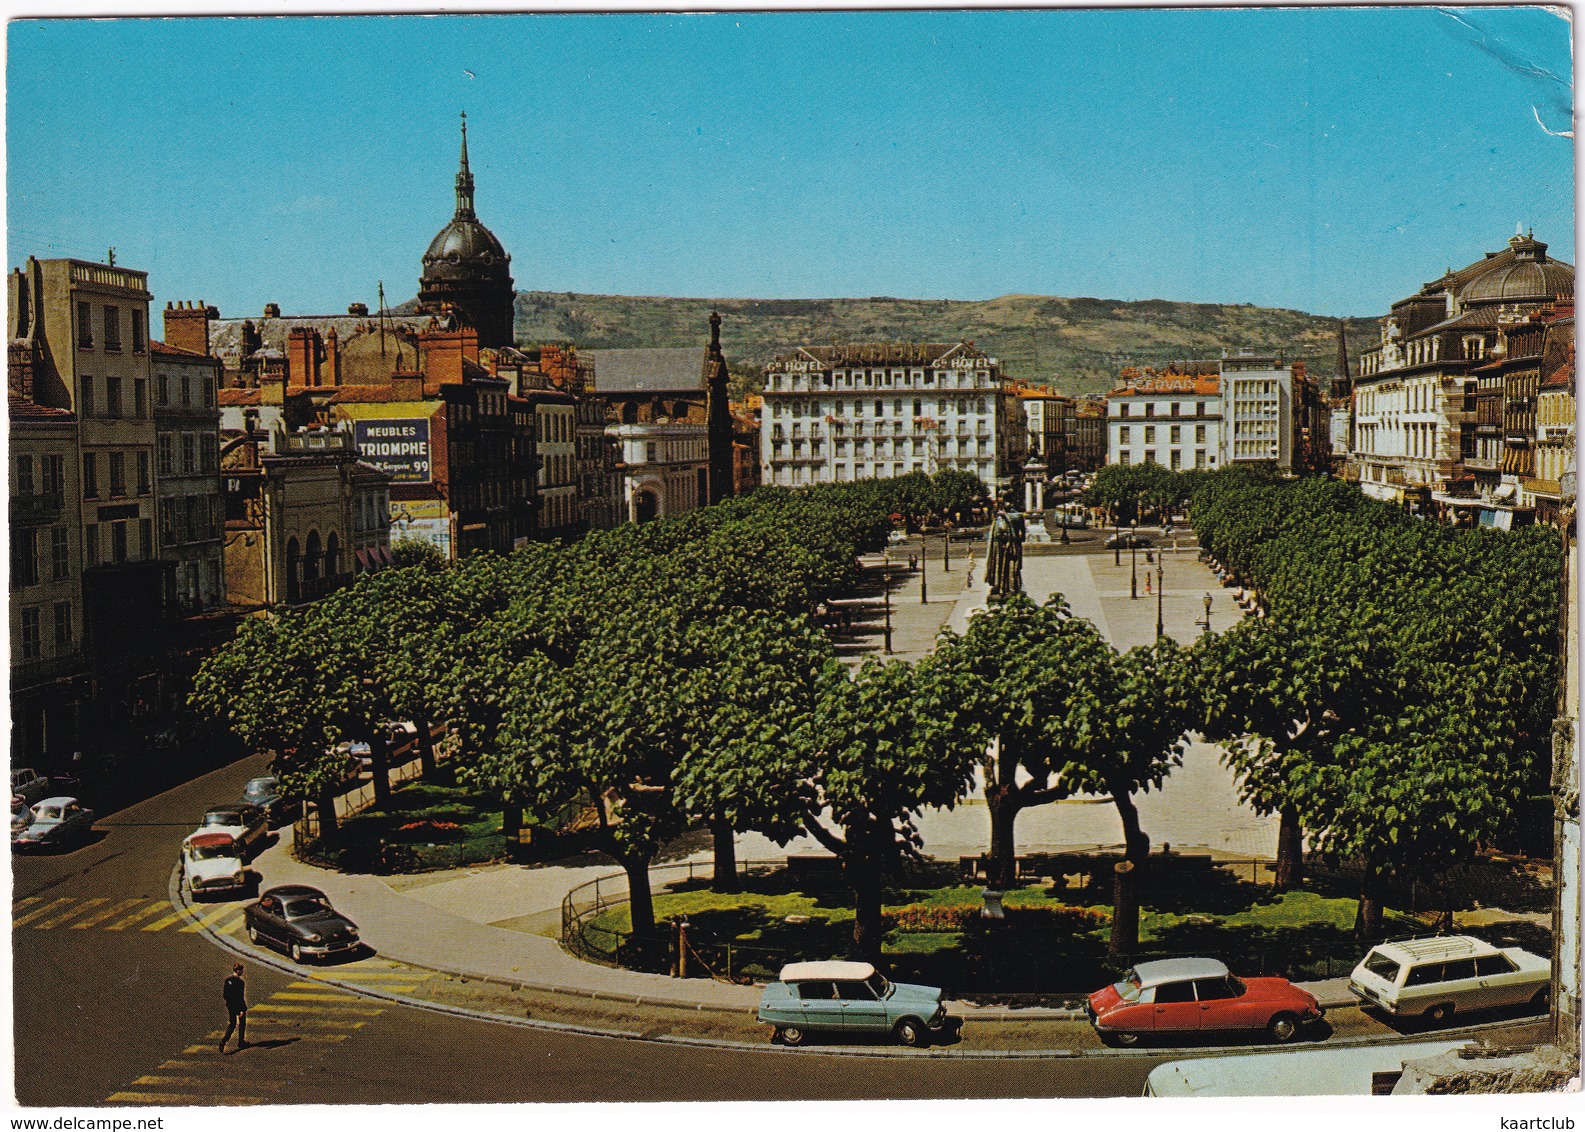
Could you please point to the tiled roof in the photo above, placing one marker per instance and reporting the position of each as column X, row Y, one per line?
column 655, row 370
column 885, row 353
column 237, row 396
column 158, row 347
column 225, row 334
column 21, row 409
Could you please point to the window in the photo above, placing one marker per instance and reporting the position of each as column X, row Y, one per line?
column 24, row 467
column 118, row 541
column 1224, row 987
column 189, row 453
column 140, row 342
column 54, row 468
column 118, row 474
column 187, row 391
column 1458, row 969
column 60, row 554
column 1175, row 992
column 87, row 397
column 1176, row 432
column 162, row 389
column 30, row 633
column 145, row 539
column 1123, row 434
column 145, row 485
column 880, row 408
column 1423, row 975
column 1150, row 434
column 113, row 328
column 140, row 397
column 112, row 396
column 1122, row 410
column 1199, row 434
column 167, row 452
column 85, row 326
column 63, row 626
column 91, row 544
column 650, row 452
column 1493, row 965
column 24, row 558
column 209, row 451
column 90, row 476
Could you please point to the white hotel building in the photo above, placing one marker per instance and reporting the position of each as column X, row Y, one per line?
column 834, row 414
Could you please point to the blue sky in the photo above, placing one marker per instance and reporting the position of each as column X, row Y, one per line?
column 1329, row 160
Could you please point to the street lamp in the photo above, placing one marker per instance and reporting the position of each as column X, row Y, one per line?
column 1117, row 538
column 1133, row 560
column 887, row 590
column 946, row 549
column 1160, row 631
column 1206, row 624
column 924, row 571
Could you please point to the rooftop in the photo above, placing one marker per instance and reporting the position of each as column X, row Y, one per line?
column 649, row 370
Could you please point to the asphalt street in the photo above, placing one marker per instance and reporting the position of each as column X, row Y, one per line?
column 117, row 1001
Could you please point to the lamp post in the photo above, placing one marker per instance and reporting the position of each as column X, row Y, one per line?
column 1160, row 629
column 1206, row 624
column 946, row 549
column 924, row 571
column 1133, row 561
column 1117, row 539
column 887, row 590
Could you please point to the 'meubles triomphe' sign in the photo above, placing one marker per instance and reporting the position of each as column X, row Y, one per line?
column 399, row 448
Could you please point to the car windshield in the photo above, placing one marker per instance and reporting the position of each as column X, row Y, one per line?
column 260, row 787
column 1129, row 989
column 305, row 906
column 877, row 983
column 222, row 817
column 211, row 852
column 53, row 813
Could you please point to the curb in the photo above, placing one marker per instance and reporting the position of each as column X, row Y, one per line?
column 278, row 963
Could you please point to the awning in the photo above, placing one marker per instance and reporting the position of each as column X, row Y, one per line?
column 1505, row 491
column 382, row 556
column 363, row 559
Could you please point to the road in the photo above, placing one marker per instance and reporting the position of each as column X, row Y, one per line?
column 117, row 1001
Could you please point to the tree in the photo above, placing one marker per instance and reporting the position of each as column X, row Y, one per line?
column 875, row 762
column 417, row 552
column 1021, row 687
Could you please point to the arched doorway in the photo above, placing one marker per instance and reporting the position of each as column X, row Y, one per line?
column 294, row 571
column 646, row 507
column 312, row 558
column 332, row 555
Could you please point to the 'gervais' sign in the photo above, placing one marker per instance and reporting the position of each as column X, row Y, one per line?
column 399, row 448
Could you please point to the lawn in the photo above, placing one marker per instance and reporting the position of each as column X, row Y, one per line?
column 1054, row 940
column 426, row 826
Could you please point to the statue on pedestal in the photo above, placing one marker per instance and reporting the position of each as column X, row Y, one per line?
column 1004, row 560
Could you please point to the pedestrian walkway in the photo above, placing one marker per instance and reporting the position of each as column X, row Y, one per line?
column 102, row 913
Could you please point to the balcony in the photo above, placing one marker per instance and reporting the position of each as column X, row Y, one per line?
column 29, row 510
column 27, row 672
column 312, row 589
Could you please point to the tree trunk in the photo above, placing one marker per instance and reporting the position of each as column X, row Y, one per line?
column 1125, row 909
column 725, row 878
column 1290, row 851
column 1367, row 921
column 1003, row 803
column 328, row 826
column 641, row 904
column 426, row 746
column 380, row 768
column 511, row 820
column 1135, row 840
column 865, row 882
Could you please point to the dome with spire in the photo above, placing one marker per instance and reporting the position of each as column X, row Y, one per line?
column 1520, row 274
column 466, row 270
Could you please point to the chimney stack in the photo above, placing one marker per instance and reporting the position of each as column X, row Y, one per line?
column 187, row 325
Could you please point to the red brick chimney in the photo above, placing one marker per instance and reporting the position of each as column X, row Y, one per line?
column 443, row 355
column 303, row 353
column 332, row 357
column 187, row 326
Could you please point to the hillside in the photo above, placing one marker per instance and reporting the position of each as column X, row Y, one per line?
column 1077, row 344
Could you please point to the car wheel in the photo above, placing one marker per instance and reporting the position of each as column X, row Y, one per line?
column 297, row 952
column 909, row 1032
column 1440, row 1013
column 790, row 1036
column 1283, row 1028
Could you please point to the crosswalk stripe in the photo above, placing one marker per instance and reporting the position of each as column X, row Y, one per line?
column 35, row 913
column 82, row 905
column 355, row 973
column 141, row 914
column 313, row 996
column 163, row 921
column 213, row 916
column 104, row 914
column 27, row 900
column 274, row 1008
column 179, row 1100
column 199, row 1082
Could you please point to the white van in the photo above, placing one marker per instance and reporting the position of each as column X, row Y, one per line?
column 1359, row 1071
column 1435, row 977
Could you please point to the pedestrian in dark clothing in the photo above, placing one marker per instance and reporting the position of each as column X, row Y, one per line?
column 235, row 991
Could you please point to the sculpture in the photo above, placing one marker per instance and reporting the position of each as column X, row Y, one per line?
column 1004, row 560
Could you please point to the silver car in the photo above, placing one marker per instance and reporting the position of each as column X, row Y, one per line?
column 56, row 822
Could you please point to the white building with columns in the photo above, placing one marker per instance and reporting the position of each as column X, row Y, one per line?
column 834, row 414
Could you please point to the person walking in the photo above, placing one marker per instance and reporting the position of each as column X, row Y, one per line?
column 235, row 991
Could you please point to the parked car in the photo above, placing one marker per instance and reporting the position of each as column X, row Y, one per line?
column 241, row 820
column 265, row 792
column 1186, row 996
column 28, row 784
column 212, row 863
column 1128, row 539
column 849, row 998
column 56, row 822
column 300, row 921
column 1433, row 978
column 399, row 732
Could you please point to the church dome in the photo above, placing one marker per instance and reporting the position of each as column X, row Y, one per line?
column 465, row 249
column 1522, row 274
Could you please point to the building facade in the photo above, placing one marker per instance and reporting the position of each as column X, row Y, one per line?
column 665, row 469
column 1087, row 438
column 833, row 414
column 192, row 503
column 1554, row 484
column 1172, row 419
column 1430, row 408
column 1049, row 418
column 1259, row 424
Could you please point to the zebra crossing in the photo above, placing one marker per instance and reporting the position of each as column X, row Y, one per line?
column 105, row 914
column 302, row 1022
